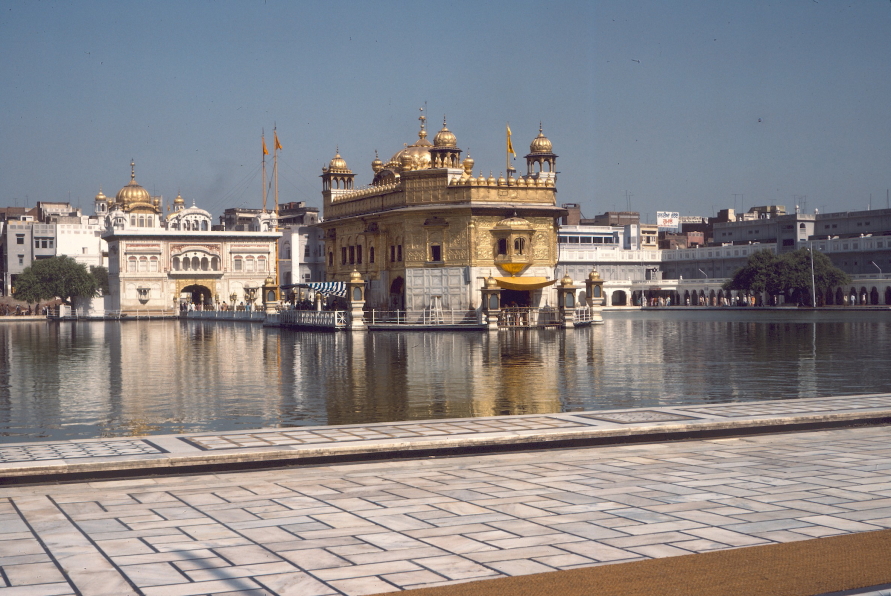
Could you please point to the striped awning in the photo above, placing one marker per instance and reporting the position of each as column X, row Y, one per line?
column 329, row 288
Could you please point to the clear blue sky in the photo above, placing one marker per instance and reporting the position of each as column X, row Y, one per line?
column 686, row 106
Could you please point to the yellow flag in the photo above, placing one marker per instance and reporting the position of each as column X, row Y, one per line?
column 277, row 145
column 265, row 150
column 510, row 146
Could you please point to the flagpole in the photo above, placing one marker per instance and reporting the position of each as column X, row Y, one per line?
column 275, row 147
column 265, row 152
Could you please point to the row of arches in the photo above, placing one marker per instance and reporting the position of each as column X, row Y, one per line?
column 851, row 296
column 196, row 264
column 191, row 225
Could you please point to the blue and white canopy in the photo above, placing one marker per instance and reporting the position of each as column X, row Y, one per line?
column 329, row 288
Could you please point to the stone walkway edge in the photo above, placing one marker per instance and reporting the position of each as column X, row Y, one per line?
column 169, row 454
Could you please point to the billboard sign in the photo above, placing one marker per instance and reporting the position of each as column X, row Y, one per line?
column 668, row 220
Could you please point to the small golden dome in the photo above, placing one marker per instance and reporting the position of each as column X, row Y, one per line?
column 541, row 144
column 355, row 276
column 514, row 222
column 594, row 275
column 377, row 165
column 179, row 200
column 491, row 180
column 566, row 281
column 491, row 282
column 338, row 164
column 101, row 196
column 269, row 282
column 133, row 192
column 468, row 164
column 445, row 137
column 501, row 180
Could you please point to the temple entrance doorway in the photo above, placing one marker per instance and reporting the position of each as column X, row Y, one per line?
column 397, row 294
column 516, row 298
column 196, row 294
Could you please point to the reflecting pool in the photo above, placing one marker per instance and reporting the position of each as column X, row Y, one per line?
column 104, row 379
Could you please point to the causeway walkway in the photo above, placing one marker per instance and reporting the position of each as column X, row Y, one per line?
column 366, row 509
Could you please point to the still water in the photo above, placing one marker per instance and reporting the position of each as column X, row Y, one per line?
column 106, row 379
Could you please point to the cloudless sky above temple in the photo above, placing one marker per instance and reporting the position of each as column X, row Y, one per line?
column 681, row 106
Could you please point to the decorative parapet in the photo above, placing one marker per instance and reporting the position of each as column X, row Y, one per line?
column 365, row 191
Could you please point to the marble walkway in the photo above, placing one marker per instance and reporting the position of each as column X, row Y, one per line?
column 365, row 528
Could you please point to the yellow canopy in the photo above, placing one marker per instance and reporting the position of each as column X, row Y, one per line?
column 524, row 283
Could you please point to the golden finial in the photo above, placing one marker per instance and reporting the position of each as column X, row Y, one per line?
column 423, row 119
column 132, row 170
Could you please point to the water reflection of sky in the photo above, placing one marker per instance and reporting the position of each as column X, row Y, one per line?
column 117, row 379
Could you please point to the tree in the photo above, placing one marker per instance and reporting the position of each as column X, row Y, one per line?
column 100, row 274
column 757, row 276
column 788, row 274
column 56, row 277
column 794, row 273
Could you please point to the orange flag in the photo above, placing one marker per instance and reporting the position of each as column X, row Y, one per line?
column 277, row 145
column 265, row 150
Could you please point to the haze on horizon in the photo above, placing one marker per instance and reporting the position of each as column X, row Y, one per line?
column 689, row 106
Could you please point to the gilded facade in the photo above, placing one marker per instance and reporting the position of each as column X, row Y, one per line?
column 426, row 233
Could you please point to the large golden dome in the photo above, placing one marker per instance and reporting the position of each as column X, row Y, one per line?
column 541, row 144
column 445, row 137
column 133, row 192
column 413, row 157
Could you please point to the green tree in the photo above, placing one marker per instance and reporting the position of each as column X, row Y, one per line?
column 788, row 274
column 100, row 274
column 758, row 275
column 56, row 277
column 794, row 275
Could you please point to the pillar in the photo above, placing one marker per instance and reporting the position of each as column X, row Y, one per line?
column 567, row 300
column 595, row 296
column 491, row 296
column 356, row 298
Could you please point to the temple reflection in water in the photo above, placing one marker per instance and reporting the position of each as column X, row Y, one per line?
column 96, row 379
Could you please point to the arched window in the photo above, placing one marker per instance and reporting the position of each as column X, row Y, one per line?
column 143, row 263
column 131, row 265
column 176, row 263
column 133, row 220
column 187, row 264
column 153, row 264
column 237, row 264
column 141, row 222
column 249, row 263
column 215, row 263
column 204, row 226
column 502, row 246
column 286, row 249
column 261, row 264
column 196, row 263
column 205, row 264
column 371, row 254
column 519, row 245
